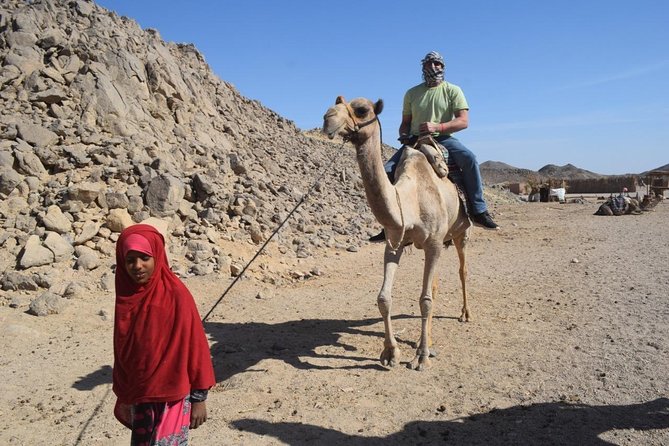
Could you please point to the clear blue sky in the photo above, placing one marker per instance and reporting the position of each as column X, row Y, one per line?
column 583, row 82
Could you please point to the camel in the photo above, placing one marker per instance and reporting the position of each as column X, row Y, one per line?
column 623, row 205
column 419, row 208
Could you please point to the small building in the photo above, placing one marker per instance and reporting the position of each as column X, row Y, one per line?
column 610, row 184
column 657, row 181
column 517, row 188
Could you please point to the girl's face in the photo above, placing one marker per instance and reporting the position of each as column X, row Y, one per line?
column 139, row 266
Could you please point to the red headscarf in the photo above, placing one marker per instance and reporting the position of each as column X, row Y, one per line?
column 160, row 349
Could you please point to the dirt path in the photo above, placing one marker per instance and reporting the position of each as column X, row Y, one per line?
column 568, row 346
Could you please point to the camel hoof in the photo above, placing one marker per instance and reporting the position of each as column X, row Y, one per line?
column 420, row 363
column 464, row 317
column 390, row 356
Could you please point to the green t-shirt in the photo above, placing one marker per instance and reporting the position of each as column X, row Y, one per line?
column 436, row 104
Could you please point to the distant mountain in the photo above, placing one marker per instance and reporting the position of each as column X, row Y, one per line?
column 663, row 168
column 495, row 172
column 568, row 171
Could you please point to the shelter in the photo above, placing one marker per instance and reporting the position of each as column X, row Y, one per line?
column 657, row 182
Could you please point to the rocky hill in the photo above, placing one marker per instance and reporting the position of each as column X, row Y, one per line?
column 568, row 171
column 104, row 124
column 495, row 172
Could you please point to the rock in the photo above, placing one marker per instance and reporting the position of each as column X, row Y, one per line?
column 89, row 230
column 55, row 220
column 61, row 248
column 164, row 195
column 198, row 251
column 118, row 220
column 202, row 269
column 236, row 269
column 34, row 254
column 9, row 179
column 107, row 282
column 265, row 294
column 74, row 290
column 87, row 259
column 15, row 281
column 46, row 304
column 36, row 135
column 115, row 200
column 86, row 192
column 29, row 164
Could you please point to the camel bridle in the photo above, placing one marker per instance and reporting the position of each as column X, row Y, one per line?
column 357, row 125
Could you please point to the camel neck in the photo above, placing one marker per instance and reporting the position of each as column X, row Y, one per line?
column 380, row 192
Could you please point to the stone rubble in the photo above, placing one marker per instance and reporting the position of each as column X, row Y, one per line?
column 104, row 124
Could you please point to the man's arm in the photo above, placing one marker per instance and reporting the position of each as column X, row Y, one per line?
column 405, row 126
column 459, row 122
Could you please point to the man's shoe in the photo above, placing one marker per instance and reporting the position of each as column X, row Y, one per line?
column 380, row 237
column 484, row 220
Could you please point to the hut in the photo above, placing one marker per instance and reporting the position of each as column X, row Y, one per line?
column 657, row 181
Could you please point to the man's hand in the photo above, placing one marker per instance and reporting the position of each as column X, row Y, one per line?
column 404, row 138
column 429, row 127
column 198, row 414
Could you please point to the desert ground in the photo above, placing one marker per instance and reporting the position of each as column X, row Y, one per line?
column 568, row 345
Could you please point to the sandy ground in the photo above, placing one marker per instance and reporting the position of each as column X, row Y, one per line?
column 568, row 345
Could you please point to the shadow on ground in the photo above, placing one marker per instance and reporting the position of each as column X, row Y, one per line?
column 539, row 424
column 101, row 376
column 238, row 347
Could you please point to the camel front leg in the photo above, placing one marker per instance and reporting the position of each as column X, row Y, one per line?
column 460, row 245
column 390, row 355
column 422, row 359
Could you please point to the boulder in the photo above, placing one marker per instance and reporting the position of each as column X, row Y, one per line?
column 47, row 303
column 164, row 195
column 62, row 249
column 34, row 254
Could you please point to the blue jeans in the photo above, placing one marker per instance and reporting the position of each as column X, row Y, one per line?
column 465, row 160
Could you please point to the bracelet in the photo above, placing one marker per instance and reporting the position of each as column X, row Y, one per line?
column 198, row 396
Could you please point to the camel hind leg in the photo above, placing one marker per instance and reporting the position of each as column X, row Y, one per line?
column 460, row 245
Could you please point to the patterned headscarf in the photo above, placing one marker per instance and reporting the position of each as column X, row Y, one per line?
column 433, row 75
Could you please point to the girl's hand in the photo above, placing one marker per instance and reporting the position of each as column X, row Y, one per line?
column 198, row 414
column 123, row 413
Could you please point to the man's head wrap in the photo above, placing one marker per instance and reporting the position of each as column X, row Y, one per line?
column 433, row 75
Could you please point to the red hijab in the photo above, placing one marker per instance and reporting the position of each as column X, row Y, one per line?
column 160, row 349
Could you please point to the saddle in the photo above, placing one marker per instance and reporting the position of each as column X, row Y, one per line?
column 436, row 154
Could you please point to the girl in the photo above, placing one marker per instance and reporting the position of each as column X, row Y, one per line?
column 162, row 365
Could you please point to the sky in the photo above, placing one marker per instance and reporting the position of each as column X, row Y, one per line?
column 557, row 82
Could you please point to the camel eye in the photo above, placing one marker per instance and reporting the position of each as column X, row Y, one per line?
column 360, row 112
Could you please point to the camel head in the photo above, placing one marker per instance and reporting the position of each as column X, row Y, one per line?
column 352, row 120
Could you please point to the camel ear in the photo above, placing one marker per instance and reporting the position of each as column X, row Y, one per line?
column 340, row 100
column 378, row 107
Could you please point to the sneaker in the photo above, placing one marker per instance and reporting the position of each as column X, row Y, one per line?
column 380, row 237
column 484, row 221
